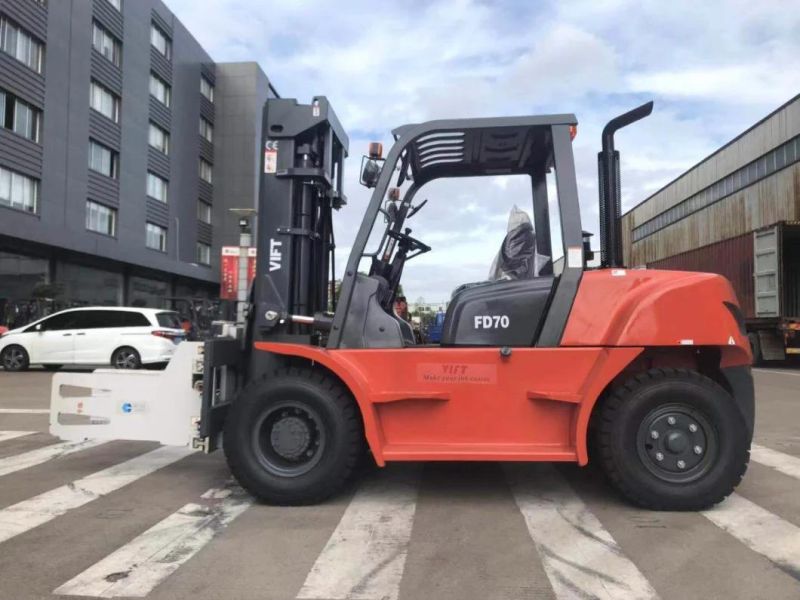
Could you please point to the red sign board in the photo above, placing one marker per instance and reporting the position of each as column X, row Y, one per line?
column 229, row 271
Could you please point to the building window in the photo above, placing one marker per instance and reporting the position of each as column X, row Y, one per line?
column 116, row 4
column 206, row 88
column 104, row 101
column 159, row 89
column 206, row 130
column 101, row 219
column 106, row 44
column 18, row 191
column 157, row 187
column 203, row 212
column 19, row 116
column 103, row 160
column 156, row 237
column 205, row 171
column 20, row 44
column 160, row 41
column 203, row 253
column 158, row 138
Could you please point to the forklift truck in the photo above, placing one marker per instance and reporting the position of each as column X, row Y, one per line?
column 645, row 372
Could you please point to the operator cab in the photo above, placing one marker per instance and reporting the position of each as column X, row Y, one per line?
column 511, row 307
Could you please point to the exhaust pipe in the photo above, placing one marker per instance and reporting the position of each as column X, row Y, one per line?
column 609, row 185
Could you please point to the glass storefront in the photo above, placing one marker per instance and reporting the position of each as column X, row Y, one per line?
column 21, row 276
column 86, row 285
column 149, row 293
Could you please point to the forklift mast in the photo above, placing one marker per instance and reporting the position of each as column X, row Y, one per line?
column 302, row 168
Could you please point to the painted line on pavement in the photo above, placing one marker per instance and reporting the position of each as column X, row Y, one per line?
column 759, row 530
column 777, row 371
column 785, row 463
column 26, row 460
column 24, row 516
column 365, row 556
column 12, row 435
column 580, row 557
column 24, row 411
column 140, row 565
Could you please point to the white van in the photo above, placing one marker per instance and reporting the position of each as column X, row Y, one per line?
column 125, row 338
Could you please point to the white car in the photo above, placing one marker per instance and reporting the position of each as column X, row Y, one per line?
column 125, row 338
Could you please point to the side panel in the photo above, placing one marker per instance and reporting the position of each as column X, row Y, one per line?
column 647, row 308
column 471, row 403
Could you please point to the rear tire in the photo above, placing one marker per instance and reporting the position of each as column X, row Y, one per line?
column 293, row 437
column 126, row 358
column 15, row 358
column 672, row 439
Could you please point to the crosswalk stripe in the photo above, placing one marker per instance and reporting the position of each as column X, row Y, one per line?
column 786, row 464
column 24, row 516
column 580, row 557
column 366, row 554
column 140, row 565
column 24, row 411
column 760, row 530
column 12, row 435
column 26, row 460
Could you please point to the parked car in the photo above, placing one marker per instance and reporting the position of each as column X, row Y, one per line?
column 125, row 338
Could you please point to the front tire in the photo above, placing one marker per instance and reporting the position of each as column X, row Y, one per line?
column 672, row 439
column 293, row 437
column 15, row 358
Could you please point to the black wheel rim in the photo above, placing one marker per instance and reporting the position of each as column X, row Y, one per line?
column 126, row 359
column 289, row 439
column 13, row 358
column 677, row 443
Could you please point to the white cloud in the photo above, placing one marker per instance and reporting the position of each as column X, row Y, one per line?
column 713, row 69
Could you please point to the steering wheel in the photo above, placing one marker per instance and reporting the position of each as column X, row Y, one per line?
column 411, row 244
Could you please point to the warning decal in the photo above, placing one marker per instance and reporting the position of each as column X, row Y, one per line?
column 457, row 373
column 271, row 156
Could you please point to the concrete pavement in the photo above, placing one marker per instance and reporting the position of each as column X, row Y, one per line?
column 127, row 519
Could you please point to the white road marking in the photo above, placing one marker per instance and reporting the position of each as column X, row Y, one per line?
column 24, row 411
column 580, row 557
column 366, row 554
column 777, row 372
column 26, row 515
column 140, row 565
column 12, row 435
column 785, row 463
column 26, row 460
column 760, row 530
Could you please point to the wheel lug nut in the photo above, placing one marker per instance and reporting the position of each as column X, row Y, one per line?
column 654, row 434
column 681, row 464
column 692, row 427
column 698, row 450
column 671, row 420
column 659, row 456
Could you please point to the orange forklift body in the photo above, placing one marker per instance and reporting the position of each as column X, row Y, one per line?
column 529, row 403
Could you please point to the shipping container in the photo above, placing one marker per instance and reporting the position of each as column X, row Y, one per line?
column 764, row 268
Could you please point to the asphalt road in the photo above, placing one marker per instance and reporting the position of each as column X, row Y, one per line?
column 130, row 519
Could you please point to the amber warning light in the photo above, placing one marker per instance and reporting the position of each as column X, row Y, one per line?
column 376, row 150
column 573, row 131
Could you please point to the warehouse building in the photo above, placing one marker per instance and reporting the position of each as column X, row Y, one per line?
column 737, row 213
column 122, row 148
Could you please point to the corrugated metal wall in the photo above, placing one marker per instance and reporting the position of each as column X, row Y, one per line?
column 732, row 258
column 775, row 198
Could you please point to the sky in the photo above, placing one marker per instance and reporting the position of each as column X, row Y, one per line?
column 712, row 69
